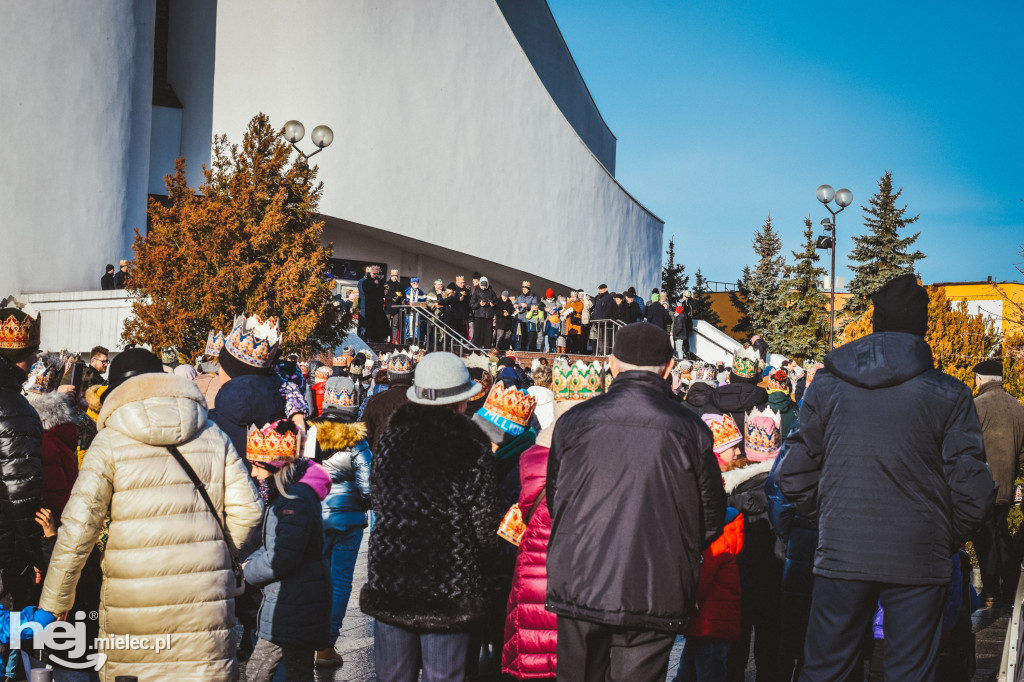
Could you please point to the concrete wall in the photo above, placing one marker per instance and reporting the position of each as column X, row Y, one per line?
column 534, row 27
column 79, row 320
column 444, row 133
column 75, row 111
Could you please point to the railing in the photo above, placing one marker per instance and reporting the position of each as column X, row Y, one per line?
column 418, row 325
column 1011, row 668
column 605, row 337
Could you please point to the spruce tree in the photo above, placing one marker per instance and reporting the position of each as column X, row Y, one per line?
column 762, row 297
column 882, row 253
column 702, row 309
column 739, row 300
column 674, row 279
column 803, row 320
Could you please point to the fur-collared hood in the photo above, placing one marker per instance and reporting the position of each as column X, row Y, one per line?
column 158, row 409
column 338, row 435
column 733, row 479
column 54, row 408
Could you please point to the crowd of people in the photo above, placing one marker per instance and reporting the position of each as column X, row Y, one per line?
column 521, row 321
column 534, row 520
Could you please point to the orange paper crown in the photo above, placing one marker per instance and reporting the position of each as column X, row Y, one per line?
column 270, row 446
column 508, row 408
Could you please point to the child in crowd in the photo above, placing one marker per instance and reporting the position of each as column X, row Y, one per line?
column 534, row 323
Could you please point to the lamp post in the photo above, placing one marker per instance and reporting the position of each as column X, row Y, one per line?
column 322, row 137
column 843, row 198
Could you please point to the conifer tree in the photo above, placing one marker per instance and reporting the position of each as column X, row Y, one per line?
column 883, row 254
column 803, row 319
column 739, row 300
column 247, row 242
column 762, row 296
column 702, row 309
column 674, row 279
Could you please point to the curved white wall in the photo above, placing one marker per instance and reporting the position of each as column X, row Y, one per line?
column 75, row 111
column 443, row 132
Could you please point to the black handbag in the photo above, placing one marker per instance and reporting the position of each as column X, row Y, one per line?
column 236, row 565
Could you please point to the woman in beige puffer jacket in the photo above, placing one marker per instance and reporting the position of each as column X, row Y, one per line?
column 166, row 570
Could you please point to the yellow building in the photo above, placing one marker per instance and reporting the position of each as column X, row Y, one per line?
column 1001, row 302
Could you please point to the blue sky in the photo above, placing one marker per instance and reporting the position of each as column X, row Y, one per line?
column 728, row 111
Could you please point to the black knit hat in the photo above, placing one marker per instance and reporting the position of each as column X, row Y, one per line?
column 989, row 368
column 236, row 368
column 901, row 306
column 631, row 292
column 129, row 364
column 642, row 343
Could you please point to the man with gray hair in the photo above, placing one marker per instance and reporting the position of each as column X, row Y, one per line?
column 635, row 496
column 1002, row 423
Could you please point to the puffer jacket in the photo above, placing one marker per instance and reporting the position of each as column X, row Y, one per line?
column 209, row 386
column 246, row 400
column 347, row 460
column 531, row 631
column 21, row 473
column 478, row 300
column 631, row 476
column 60, row 443
column 290, row 566
column 432, row 482
column 718, row 589
column 880, row 418
column 165, row 551
column 700, row 398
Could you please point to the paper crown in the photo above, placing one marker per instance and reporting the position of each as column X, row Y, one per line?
column 322, row 373
column 778, row 380
column 254, row 341
column 399, row 364
column 169, row 355
column 45, row 374
column 702, row 371
column 508, row 408
column 578, row 381
column 18, row 334
column 342, row 361
column 607, row 375
column 214, row 342
column 724, row 431
column 339, row 393
column 762, row 438
column 744, row 363
column 270, row 446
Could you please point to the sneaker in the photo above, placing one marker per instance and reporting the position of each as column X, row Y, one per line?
column 328, row 656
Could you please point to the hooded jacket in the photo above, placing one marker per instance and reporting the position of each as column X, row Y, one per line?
column 888, row 457
column 347, row 459
column 718, row 589
column 479, row 298
column 432, row 482
column 60, row 442
column 21, row 473
column 787, row 410
column 1002, row 422
column 636, row 496
column 165, row 551
column 290, row 566
column 246, row 400
column 700, row 398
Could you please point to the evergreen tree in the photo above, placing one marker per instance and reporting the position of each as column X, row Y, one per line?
column 674, row 279
column 247, row 242
column 762, row 295
column 702, row 309
column 803, row 320
column 739, row 300
column 882, row 253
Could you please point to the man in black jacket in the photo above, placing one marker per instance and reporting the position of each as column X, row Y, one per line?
column 482, row 304
column 107, row 280
column 21, row 464
column 635, row 496
column 888, row 457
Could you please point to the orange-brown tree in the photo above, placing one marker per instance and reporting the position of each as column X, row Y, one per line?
column 246, row 241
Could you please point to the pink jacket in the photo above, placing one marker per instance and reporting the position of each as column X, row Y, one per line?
column 530, row 630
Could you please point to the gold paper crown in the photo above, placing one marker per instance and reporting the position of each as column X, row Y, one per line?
column 578, row 381
column 723, row 430
column 744, row 363
column 761, row 439
column 18, row 334
column 270, row 446
column 45, row 374
column 508, row 408
column 254, row 341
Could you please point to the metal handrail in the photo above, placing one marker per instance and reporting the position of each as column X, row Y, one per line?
column 606, row 330
column 436, row 336
column 1010, row 665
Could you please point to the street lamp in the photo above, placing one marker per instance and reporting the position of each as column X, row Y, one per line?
column 322, row 137
column 843, row 198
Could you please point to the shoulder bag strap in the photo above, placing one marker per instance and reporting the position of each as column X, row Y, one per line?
column 201, row 488
column 536, row 503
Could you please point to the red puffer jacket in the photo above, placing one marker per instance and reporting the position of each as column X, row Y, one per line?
column 718, row 589
column 530, row 631
column 60, row 466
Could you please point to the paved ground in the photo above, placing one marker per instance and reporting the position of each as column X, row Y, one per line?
column 356, row 643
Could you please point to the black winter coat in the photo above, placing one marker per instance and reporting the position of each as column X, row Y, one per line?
column 620, row 312
column 459, row 301
column 380, row 408
column 433, row 489
column 700, row 398
column 21, row 473
column 246, row 400
column 635, row 496
column 479, row 298
column 502, row 321
column 603, row 304
column 657, row 315
column 739, row 398
column 888, row 457
column 682, row 323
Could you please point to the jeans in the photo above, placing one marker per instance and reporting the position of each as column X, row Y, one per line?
column 704, row 659
column 397, row 653
column 681, row 348
column 266, row 656
column 341, row 550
